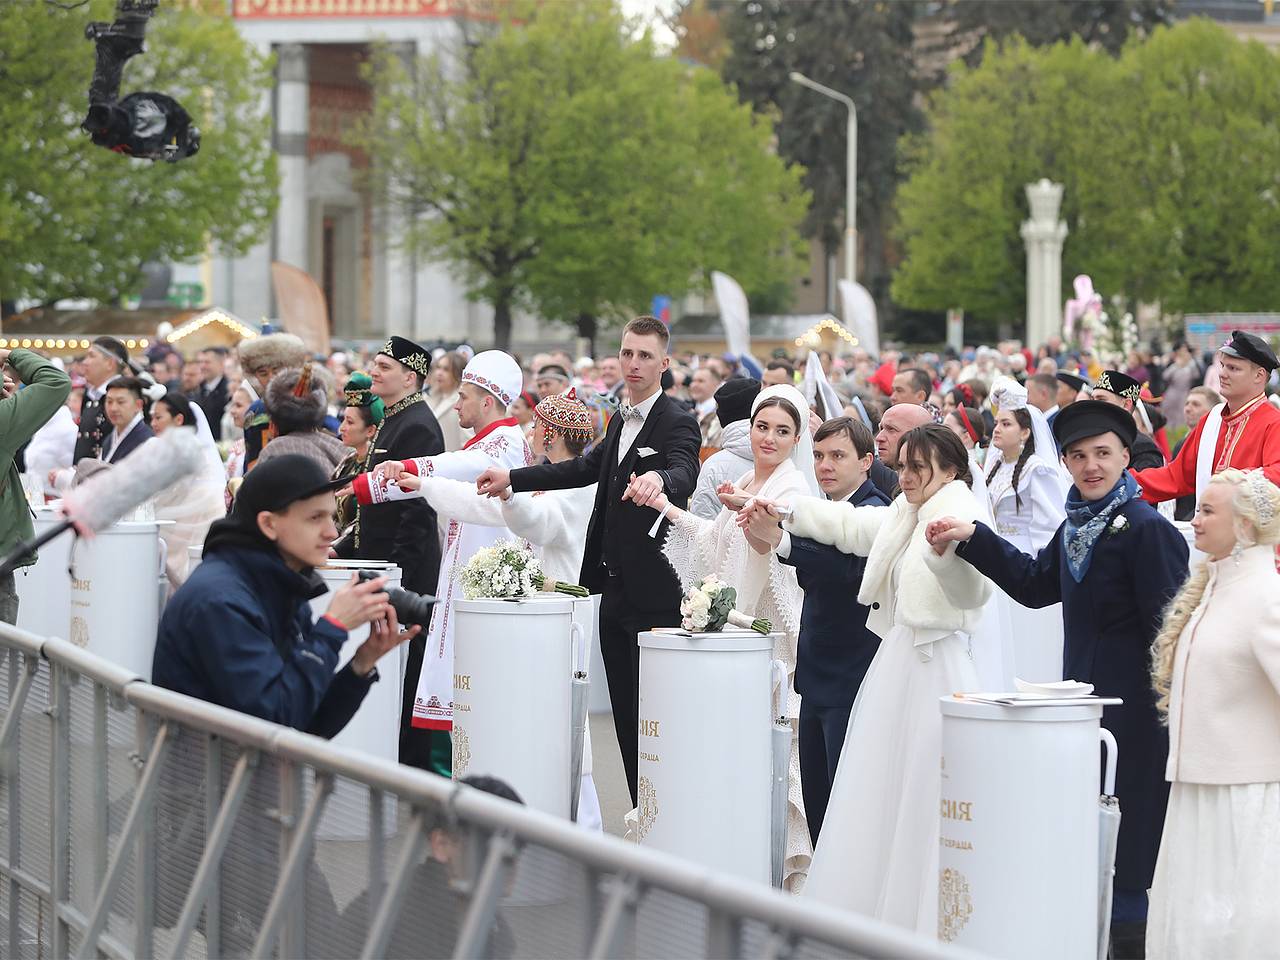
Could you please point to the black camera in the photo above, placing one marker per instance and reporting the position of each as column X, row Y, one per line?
column 411, row 608
column 147, row 125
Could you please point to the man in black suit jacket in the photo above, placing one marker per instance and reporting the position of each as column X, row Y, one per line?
column 212, row 395
column 123, row 407
column 835, row 647
column 655, row 441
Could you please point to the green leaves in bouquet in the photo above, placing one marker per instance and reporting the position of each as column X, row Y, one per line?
column 721, row 606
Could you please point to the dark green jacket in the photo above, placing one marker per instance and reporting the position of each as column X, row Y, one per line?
column 20, row 417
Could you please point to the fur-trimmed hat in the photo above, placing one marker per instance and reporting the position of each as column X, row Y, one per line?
column 276, row 350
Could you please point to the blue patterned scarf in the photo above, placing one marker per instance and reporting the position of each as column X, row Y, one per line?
column 1087, row 519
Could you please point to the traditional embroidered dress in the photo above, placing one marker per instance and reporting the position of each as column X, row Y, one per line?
column 1246, row 439
column 501, row 444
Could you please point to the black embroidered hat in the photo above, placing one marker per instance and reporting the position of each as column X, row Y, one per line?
column 409, row 353
column 1121, row 384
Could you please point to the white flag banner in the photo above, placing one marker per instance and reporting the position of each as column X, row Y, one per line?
column 735, row 314
column 860, row 316
column 818, row 391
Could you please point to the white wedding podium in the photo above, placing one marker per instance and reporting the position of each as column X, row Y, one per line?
column 1019, row 827
column 705, row 767
column 513, row 665
column 374, row 731
column 44, row 589
column 116, row 588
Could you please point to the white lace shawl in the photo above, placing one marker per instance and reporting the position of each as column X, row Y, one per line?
column 766, row 588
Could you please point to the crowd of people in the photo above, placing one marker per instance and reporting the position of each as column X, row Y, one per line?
column 913, row 526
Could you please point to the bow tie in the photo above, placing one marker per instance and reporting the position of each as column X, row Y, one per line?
column 631, row 413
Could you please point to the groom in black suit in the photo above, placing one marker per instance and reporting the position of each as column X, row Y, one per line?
column 655, row 441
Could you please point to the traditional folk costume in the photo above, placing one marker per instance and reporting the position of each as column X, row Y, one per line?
column 1113, row 565
column 357, row 393
column 404, row 533
column 501, row 444
column 555, row 525
column 1247, row 438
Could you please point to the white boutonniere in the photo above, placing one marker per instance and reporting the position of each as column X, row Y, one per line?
column 1119, row 525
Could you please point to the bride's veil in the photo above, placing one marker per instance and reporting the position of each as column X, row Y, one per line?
column 802, row 452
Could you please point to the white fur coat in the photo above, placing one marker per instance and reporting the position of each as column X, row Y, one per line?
column 935, row 594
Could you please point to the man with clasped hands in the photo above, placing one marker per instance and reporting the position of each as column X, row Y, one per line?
column 651, row 444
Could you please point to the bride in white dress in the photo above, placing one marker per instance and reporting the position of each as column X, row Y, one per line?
column 1027, row 486
column 782, row 452
column 878, row 853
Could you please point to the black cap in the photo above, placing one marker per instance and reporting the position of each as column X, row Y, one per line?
column 409, row 353
column 1121, row 384
column 1089, row 418
column 668, row 379
column 734, row 399
column 113, row 347
column 279, row 482
column 1251, row 347
column 1074, row 381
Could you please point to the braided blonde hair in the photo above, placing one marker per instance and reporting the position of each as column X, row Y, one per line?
column 1256, row 514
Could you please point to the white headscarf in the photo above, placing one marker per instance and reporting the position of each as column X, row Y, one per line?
column 1008, row 394
column 802, row 452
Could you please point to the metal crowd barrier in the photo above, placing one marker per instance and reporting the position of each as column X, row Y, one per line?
column 137, row 822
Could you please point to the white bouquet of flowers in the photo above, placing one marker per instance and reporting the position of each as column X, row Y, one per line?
column 508, row 570
column 707, row 607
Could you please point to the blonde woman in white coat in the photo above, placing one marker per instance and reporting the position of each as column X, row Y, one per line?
column 878, row 853
column 554, row 523
column 1216, row 668
column 1027, row 486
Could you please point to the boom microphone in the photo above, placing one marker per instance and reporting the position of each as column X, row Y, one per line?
column 107, row 496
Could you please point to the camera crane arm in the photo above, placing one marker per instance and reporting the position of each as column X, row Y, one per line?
column 146, row 125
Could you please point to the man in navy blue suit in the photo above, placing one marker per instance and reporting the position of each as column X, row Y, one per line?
column 835, row 647
column 1114, row 565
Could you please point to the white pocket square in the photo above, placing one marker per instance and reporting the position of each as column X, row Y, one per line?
column 646, row 451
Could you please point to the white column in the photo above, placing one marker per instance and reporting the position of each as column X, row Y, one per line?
column 291, row 144
column 1043, row 235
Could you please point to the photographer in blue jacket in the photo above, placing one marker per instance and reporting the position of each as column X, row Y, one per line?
column 239, row 632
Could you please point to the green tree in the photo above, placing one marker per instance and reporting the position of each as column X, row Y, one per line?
column 79, row 221
column 561, row 166
column 1163, row 152
column 863, row 49
column 1105, row 24
column 1023, row 114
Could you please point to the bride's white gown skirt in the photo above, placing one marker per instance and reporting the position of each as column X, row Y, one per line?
column 878, row 852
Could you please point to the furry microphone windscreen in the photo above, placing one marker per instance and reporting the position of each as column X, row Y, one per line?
column 157, row 464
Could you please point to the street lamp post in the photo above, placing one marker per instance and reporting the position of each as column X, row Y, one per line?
column 851, row 173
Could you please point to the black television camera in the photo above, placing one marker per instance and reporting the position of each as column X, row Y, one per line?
column 148, row 125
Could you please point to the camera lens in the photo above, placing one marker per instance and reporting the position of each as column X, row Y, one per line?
column 411, row 608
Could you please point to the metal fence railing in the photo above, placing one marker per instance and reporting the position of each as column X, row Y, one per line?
column 136, row 822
